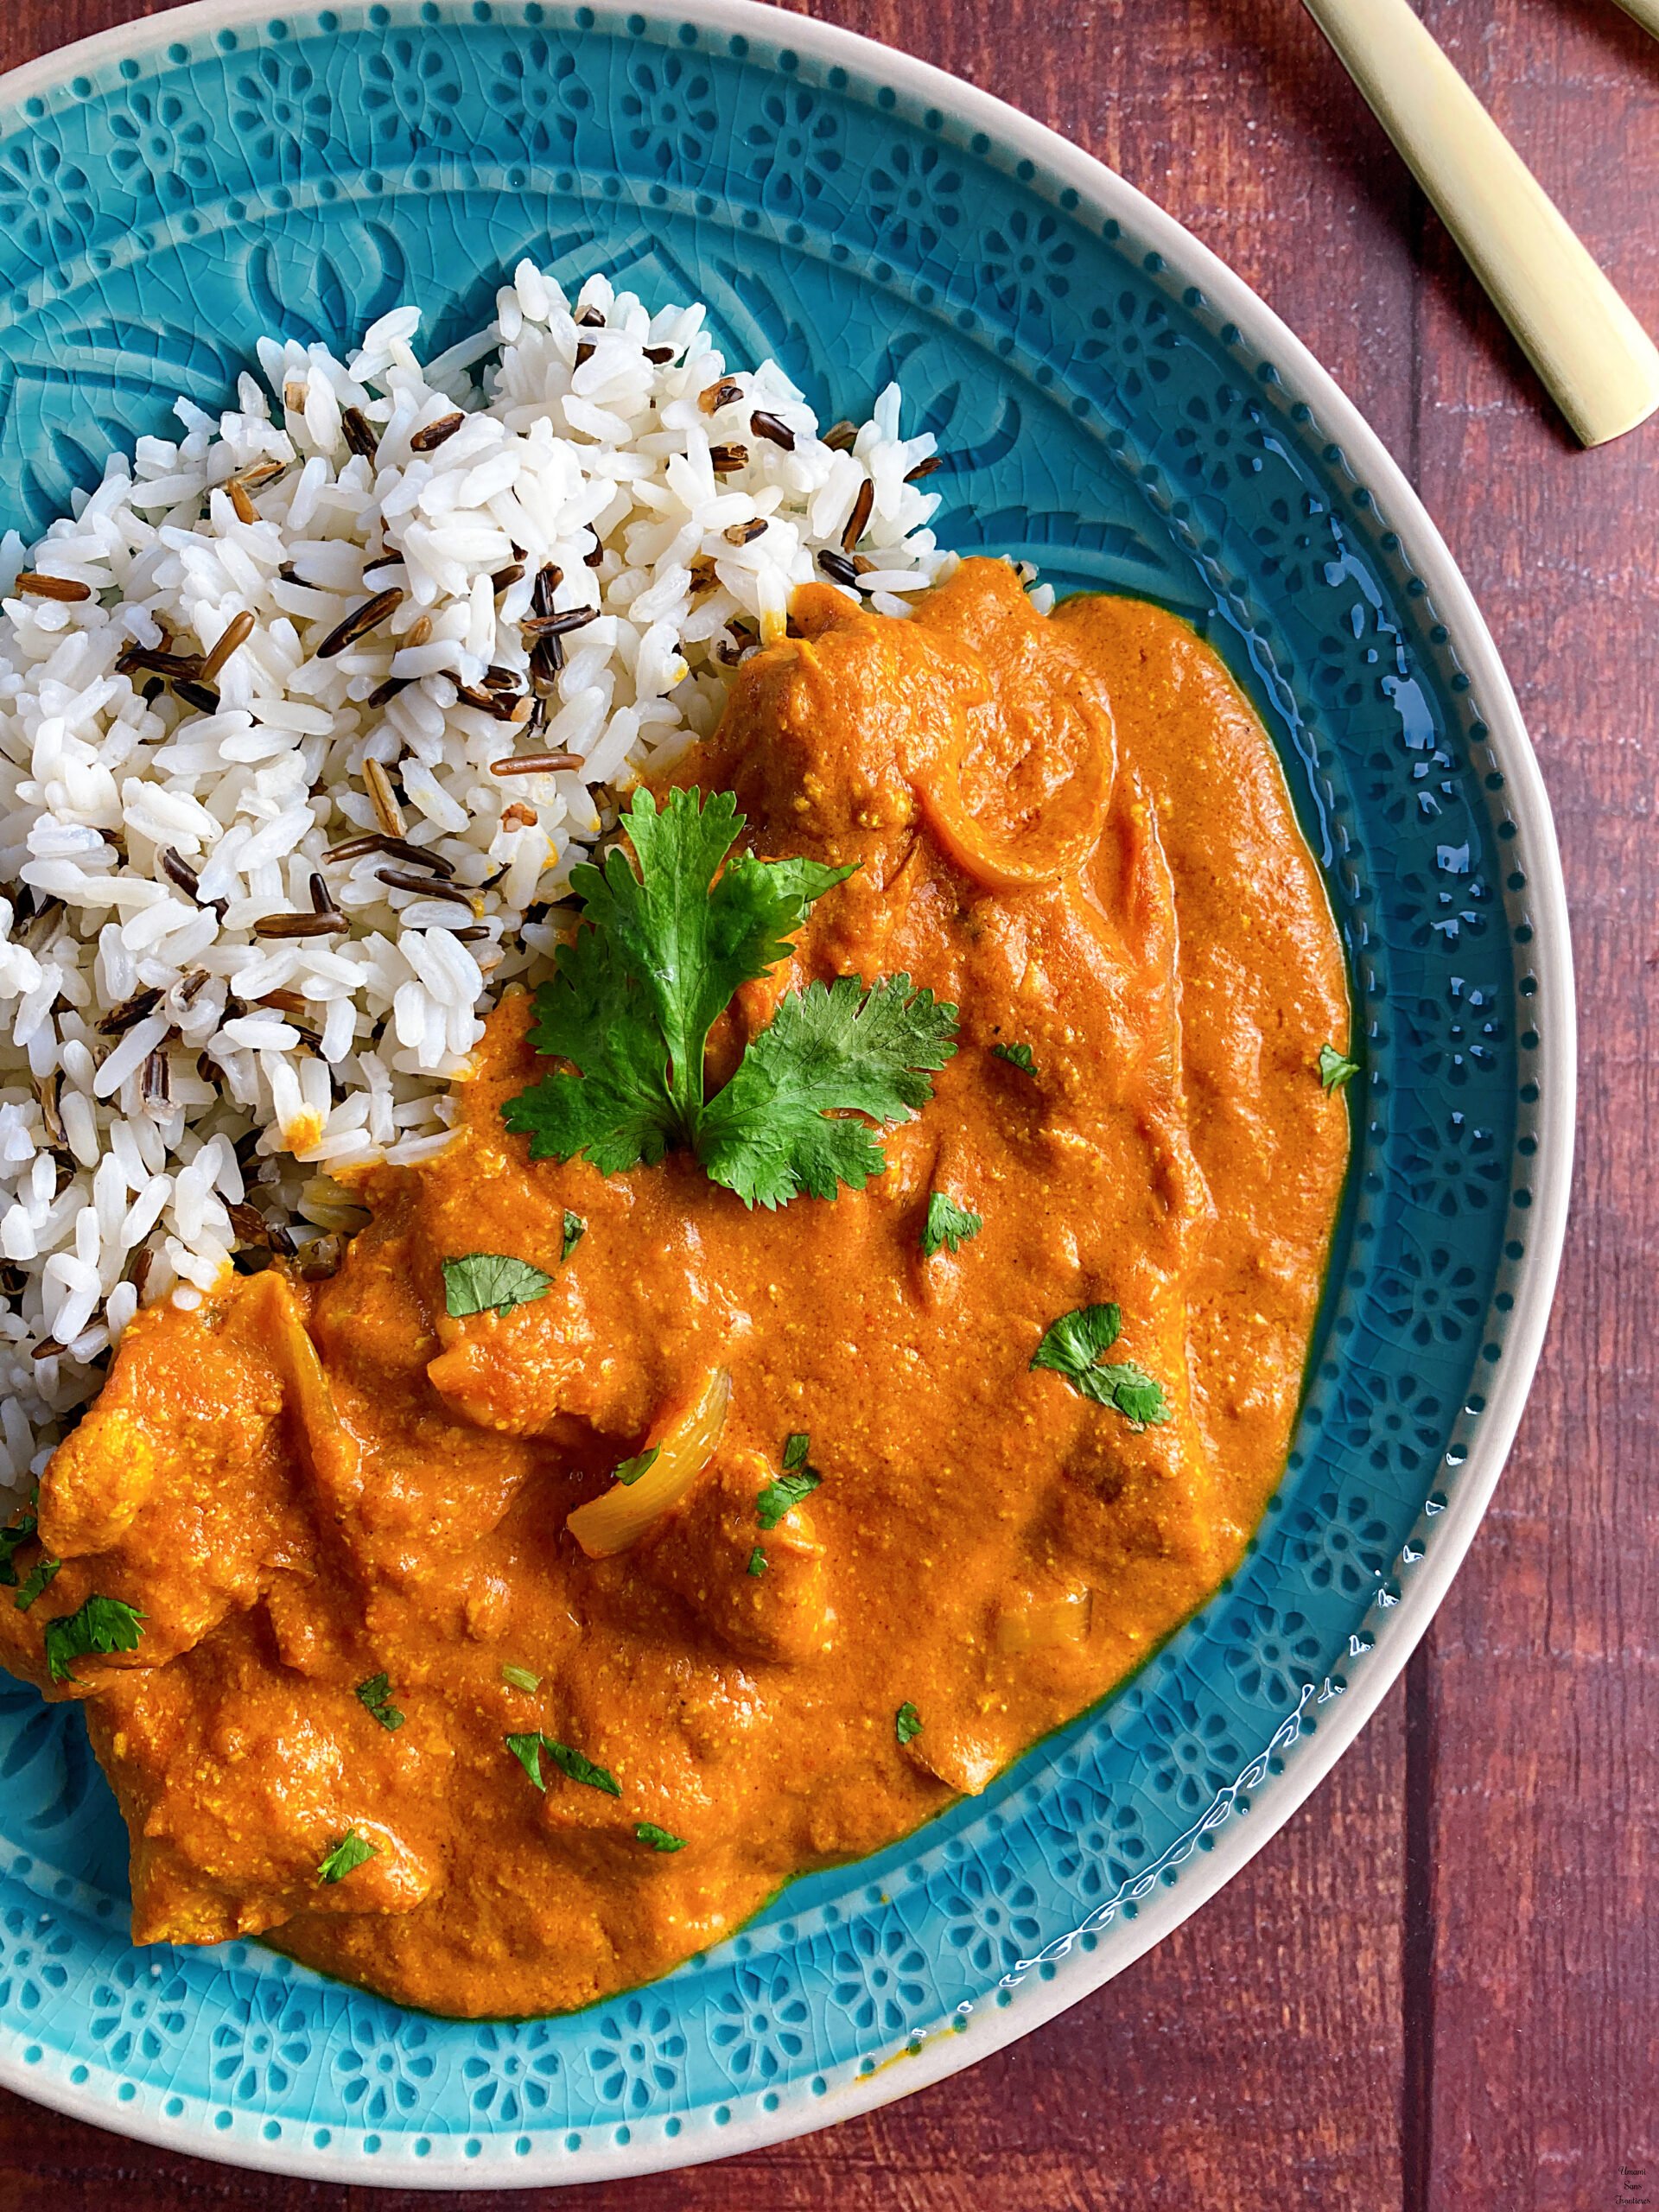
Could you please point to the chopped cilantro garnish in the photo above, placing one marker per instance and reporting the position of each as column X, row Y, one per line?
column 520, row 1678
column 1072, row 1347
column 575, row 1230
column 528, row 1750
column 351, row 1851
column 12, row 1540
column 39, row 1577
column 784, row 1492
column 658, row 955
column 948, row 1224
column 631, row 1470
column 376, row 1694
column 906, row 1722
column 1017, row 1055
column 490, row 1282
column 658, row 1839
column 756, row 1561
column 1336, row 1069
column 100, row 1625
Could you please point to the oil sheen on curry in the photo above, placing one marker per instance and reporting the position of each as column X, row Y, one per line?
column 601, row 1546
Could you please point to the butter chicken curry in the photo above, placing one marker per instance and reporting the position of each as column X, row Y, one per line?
column 616, row 1535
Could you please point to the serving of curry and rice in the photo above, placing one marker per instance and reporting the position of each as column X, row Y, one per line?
column 665, row 1158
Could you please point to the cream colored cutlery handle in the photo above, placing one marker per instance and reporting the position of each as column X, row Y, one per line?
column 1646, row 13
column 1596, row 358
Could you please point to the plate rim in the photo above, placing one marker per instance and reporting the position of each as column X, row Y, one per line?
column 1401, row 508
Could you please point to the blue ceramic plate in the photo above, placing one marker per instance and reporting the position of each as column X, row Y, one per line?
column 1119, row 408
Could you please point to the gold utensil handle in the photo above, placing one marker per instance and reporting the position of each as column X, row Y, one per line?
column 1645, row 11
column 1586, row 346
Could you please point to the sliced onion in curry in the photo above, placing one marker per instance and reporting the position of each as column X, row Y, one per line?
column 1041, row 1623
column 684, row 1440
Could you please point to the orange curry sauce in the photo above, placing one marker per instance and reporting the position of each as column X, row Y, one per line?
column 1075, row 830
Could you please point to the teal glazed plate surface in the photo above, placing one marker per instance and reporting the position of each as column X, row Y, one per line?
column 1117, row 407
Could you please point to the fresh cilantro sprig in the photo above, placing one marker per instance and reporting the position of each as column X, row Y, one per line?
column 38, row 1578
column 906, row 1723
column 631, row 1470
column 1072, row 1346
column 13, row 1537
column 376, row 1695
column 658, row 1839
column 661, row 947
column 490, row 1282
column 575, row 1230
column 785, row 1491
column 1336, row 1069
column 947, row 1224
column 1017, row 1055
column 100, row 1625
column 528, row 1750
column 344, row 1858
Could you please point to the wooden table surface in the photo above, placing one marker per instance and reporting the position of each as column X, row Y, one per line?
column 1437, row 1990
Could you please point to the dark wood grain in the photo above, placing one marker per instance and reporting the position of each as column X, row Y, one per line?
column 1437, row 1990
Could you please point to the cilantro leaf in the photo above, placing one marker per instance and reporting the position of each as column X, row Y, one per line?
column 657, row 954
column 39, row 1577
column 351, row 1851
column 631, row 1470
column 906, row 1722
column 575, row 1230
column 828, row 1049
column 528, row 1750
column 490, row 1282
column 662, row 942
column 1072, row 1346
column 948, row 1224
column 376, row 1695
column 1017, row 1055
column 1136, row 1395
column 781, row 1495
column 757, row 1562
column 784, row 1492
column 100, row 1625
column 658, row 1839
column 1336, row 1069
column 12, row 1540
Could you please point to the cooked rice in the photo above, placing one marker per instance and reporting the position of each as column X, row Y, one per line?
column 203, row 1011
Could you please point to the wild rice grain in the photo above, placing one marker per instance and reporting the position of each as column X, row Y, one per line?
column 32, row 585
column 923, row 468
column 236, row 633
column 383, row 800
column 359, row 432
column 417, row 855
column 201, row 696
column 283, row 926
column 841, row 437
column 838, row 568
column 245, row 510
column 725, row 461
column 359, row 624
column 766, row 425
column 178, row 870
column 558, row 626
column 537, row 763
column 724, row 392
column 859, row 518
column 428, row 886
column 434, row 434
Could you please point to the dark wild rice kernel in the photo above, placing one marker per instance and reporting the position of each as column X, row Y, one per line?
column 417, row 855
column 744, row 533
column 589, row 318
column 201, row 696
column 32, row 585
column 235, row 634
column 859, row 517
column 359, row 432
column 276, row 926
column 838, row 568
column 766, row 425
column 121, row 1018
column 358, row 623
column 433, row 435
column 536, row 764
column 841, row 437
column 383, row 693
column 723, row 392
column 725, row 461
column 424, row 886
column 925, row 468
column 510, row 574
